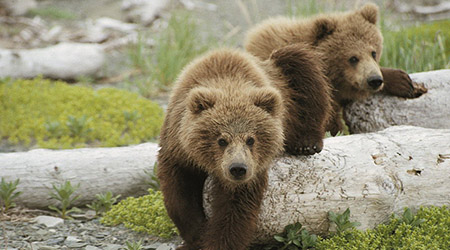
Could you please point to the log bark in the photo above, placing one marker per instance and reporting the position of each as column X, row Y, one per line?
column 431, row 110
column 373, row 174
column 63, row 61
column 97, row 170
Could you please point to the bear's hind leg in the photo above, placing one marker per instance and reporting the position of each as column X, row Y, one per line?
column 182, row 188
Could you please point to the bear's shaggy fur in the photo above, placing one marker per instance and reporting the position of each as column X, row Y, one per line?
column 227, row 119
column 349, row 45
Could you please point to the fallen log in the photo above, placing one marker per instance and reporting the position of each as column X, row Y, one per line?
column 119, row 170
column 144, row 11
column 431, row 110
column 62, row 61
column 373, row 174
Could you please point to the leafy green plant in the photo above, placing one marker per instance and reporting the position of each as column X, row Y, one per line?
column 143, row 214
column 53, row 114
column 134, row 245
column 131, row 116
column 153, row 180
column 7, row 194
column 103, row 203
column 342, row 221
column 409, row 219
column 77, row 126
column 64, row 193
column 54, row 128
column 295, row 237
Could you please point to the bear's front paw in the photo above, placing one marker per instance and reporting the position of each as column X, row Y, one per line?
column 398, row 83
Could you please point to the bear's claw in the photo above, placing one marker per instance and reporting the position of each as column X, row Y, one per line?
column 306, row 150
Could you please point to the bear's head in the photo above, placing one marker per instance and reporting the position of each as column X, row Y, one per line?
column 351, row 44
column 233, row 133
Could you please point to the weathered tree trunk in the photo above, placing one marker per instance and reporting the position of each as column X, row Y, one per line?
column 97, row 170
column 62, row 61
column 373, row 174
column 431, row 110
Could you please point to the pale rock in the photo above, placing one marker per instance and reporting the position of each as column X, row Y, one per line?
column 48, row 221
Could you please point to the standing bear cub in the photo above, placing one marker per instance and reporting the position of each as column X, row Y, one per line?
column 349, row 45
column 227, row 119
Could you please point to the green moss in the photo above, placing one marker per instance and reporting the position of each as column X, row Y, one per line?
column 433, row 233
column 53, row 114
column 143, row 214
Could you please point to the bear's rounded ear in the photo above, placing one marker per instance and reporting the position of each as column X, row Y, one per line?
column 323, row 27
column 201, row 99
column 268, row 100
column 369, row 12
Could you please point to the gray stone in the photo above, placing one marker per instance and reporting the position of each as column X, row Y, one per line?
column 153, row 246
column 42, row 246
column 113, row 247
column 165, row 247
column 54, row 241
column 91, row 248
column 72, row 239
column 48, row 221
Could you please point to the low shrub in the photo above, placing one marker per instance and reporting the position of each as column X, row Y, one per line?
column 433, row 232
column 143, row 214
column 53, row 114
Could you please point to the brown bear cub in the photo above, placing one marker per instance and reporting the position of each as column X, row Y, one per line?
column 227, row 119
column 349, row 45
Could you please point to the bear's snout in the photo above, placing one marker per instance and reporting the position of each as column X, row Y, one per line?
column 238, row 170
column 375, row 81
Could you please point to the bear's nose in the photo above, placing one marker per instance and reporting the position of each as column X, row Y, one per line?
column 237, row 170
column 375, row 81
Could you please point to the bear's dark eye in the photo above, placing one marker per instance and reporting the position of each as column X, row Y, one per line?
column 353, row 60
column 222, row 142
column 250, row 141
column 374, row 55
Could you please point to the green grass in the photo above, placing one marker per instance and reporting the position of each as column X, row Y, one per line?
column 422, row 47
column 53, row 114
column 53, row 13
column 174, row 47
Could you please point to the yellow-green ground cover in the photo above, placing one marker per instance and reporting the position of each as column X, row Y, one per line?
column 53, row 114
